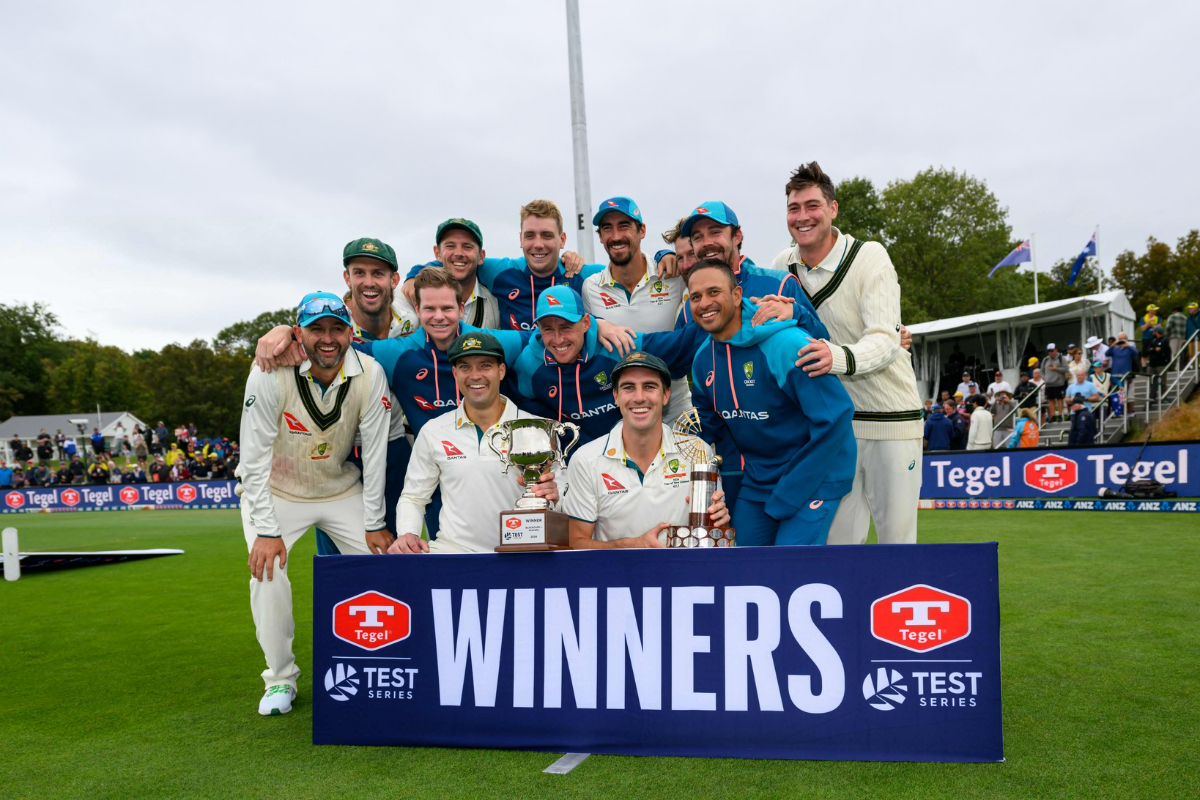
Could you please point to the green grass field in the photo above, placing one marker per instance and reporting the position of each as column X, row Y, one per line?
column 141, row 679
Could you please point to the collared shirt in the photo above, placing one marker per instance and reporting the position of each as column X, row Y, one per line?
column 404, row 324
column 609, row 489
column 481, row 306
column 452, row 453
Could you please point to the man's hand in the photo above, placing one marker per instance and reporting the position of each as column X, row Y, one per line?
column 572, row 262
column 771, row 308
column 611, row 336
column 718, row 510
column 545, row 487
column 378, row 542
column 905, row 338
column 263, row 553
column 650, row 537
column 408, row 543
column 668, row 266
column 815, row 358
column 409, row 291
column 277, row 348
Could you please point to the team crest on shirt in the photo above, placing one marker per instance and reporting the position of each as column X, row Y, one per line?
column 674, row 473
column 602, row 380
column 748, row 370
column 406, row 327
column 320, row 451
column 659, row 293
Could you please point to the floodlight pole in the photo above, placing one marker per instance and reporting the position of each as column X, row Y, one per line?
column 583, row 189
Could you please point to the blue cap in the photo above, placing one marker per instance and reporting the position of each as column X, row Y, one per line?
column 315, row 305
column 623, row 204
column 714, row 210
column 560, row 301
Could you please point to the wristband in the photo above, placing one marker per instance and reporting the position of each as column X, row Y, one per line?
column 267, row 536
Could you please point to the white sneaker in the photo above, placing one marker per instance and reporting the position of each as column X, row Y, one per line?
column 277, row 700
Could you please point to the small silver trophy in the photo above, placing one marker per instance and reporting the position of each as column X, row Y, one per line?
column 705, row 480
column 535, row 446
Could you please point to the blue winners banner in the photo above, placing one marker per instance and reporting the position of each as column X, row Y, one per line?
column 1070, row 472
column 116, row 497
column 888, row 653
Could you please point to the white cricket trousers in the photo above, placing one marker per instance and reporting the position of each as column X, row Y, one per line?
column 887, row 486
column 271, row 601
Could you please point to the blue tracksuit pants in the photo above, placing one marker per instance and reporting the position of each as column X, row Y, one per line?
column 810, row 525
column 398, row 453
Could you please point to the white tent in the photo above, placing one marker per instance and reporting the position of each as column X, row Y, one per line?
column 1003, row 338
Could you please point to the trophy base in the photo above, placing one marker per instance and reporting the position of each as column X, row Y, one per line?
column 698, row 537
column 524, row 530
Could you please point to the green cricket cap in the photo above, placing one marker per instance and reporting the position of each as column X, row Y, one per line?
column 369, row 248
column 458, row 222
column 640, row 358
column 475, row 343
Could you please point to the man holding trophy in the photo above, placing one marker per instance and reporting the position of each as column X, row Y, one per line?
column 639, row 472
column 453, row 452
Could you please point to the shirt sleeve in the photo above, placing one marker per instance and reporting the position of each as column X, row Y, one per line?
column 412, row 273
column 374, row 425
column 802, row 309
column 419, row 484
column 580, row 501
column 492, row 267
column 260, row 426
column 879, row 305
column 677, row 348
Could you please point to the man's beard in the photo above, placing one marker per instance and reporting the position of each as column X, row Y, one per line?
column 327, row 362
column 621, row 259
column 386, row 298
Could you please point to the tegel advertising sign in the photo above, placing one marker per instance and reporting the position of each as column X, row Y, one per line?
column 86, row 497
column 1070, row 472
column 880, row 653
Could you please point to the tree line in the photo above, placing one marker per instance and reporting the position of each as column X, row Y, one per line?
column 944, row 229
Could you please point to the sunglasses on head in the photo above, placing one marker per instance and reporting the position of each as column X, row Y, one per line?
column 323, row 305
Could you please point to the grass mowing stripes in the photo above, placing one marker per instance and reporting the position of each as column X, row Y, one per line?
column 141, row 679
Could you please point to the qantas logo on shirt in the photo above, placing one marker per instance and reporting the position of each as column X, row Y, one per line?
column 387, row 404
column 451, row 450
column 612, row 484
column 423, row 403
column 519, row 326
column 739, row 413
column 608, row 301
column 294, row 425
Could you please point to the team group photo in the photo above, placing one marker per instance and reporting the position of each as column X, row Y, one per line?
column 618, row 489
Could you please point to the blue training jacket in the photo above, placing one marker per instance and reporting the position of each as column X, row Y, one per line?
column 793, row 431
column 517, row 289
column 420, row 375
column 582, row 392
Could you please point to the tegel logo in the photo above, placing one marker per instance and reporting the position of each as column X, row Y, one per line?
column 1051, row 473
column 70, row 497
column 371, row 620
column 884, row 691
column 921, row 618
column 185, row 492
column 128, row 495
column 340, row 682
column 14, row 499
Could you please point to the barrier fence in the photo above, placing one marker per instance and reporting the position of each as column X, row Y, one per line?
column 101, row 497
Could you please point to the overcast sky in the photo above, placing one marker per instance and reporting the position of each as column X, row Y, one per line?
column 165, row 172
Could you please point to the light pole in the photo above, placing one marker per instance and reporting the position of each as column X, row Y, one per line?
column 583, row 188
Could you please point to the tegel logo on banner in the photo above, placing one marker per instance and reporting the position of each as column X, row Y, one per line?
column 185, row 492
column 14, row 499
column 1051, row 473
column 340, row 682
column 70, row 497
column 882, row 692
column 371, row 620
column 921, row 618
column 128, row 495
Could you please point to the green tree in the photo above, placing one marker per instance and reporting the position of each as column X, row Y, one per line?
column 92, row 373
column 1052, row 285
column 195, row 384
column 1161, row 275
column 241, row 337
column 860, row 209
column 945, row 231
column 30, row 344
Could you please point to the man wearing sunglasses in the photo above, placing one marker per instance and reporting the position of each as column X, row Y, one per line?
column 298, row 427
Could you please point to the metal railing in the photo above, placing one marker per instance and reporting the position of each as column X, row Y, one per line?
column 1192, row 364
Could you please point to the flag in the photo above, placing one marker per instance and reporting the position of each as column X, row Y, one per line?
column 1088, row 250
column 1019, row 256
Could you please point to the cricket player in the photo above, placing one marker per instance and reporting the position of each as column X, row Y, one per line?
column 854, row 288
column 625, row 292
column 793, row 430
column 685, row 254
column 458, row 246
column 298, row 428
column 636, row 476
column 516, row 283
column 452, row 453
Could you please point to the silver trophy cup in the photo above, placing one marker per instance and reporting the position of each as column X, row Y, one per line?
column 535, row 446
column 705, row 480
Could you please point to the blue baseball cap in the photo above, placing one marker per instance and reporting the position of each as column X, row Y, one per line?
column 560, row 301
column 623, row 204
column 315, row 305
column 714, row 210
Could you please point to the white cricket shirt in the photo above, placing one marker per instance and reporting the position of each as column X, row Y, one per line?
column 609, row 489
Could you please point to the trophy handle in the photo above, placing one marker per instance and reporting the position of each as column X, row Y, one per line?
column 559, row 429
column 491, row 440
